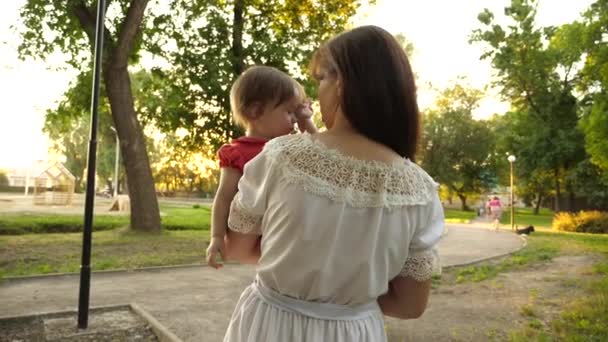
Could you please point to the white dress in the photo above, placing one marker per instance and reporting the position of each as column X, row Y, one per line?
column 335, row 230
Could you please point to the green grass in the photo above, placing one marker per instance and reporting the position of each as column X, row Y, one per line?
column 525, row 217
column 174, row 218
column 186, row 218
column 542, row 246
column 583, row 319
column 121, row 248
column 458, row 216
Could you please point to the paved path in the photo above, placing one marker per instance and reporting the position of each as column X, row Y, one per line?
column 195, row 303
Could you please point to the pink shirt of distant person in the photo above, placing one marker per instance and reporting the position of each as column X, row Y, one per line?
column 495, row 204
column 240, row 151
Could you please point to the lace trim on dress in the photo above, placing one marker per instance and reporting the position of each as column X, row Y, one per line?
column 422, row 266
column 360, row 183
column 242, row 221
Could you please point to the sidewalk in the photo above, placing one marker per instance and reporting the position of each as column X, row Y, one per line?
column 195, row 303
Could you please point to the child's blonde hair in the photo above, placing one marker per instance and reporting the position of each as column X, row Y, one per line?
column 263, row 85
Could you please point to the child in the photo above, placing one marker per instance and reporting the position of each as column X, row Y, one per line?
column 267, row 103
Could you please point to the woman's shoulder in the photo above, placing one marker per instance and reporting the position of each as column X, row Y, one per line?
column 362, row 183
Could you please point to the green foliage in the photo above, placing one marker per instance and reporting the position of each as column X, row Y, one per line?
column 582, row 222
column 535, row 73
column 595, row 126
column 3, row 178
column 193, row 37
column 456, row 149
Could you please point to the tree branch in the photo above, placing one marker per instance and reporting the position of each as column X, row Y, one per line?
column 128, row 32
column 87, row 20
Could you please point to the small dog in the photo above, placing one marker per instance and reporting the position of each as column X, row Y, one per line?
column 529, row 229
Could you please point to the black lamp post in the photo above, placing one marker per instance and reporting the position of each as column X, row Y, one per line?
column 85, row 264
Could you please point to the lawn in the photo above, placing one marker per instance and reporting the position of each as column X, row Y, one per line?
column 458, row 216
column 174, row 217
column 582, row 318
column 120, row 248
column 56, row 243
column 525, row 217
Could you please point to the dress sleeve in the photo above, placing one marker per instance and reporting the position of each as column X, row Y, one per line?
column 249, row 205
column 423, row 258
column 229, row 156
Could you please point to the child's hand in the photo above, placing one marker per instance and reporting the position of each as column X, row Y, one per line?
column 215, row 247
column 304, row 111
column 304, row 117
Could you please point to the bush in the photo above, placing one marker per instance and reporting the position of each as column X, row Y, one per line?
column 595, row 222
column 3, row 179
column 45, row 224
column 196, row 206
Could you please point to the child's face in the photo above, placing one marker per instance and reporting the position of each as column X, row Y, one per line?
column 277, row 120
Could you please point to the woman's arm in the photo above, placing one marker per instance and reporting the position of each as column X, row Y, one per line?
column 406, row 298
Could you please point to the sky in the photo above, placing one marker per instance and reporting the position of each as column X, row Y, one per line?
column 439, row 30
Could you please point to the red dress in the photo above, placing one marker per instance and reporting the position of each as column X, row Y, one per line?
column 241, row 150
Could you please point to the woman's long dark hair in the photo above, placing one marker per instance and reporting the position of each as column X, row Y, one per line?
column 378, row 94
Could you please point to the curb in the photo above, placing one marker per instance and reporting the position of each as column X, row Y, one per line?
column 163, row 334
column 119, row 270
column 476, row 261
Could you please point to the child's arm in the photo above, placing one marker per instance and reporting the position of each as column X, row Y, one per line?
column 227, row 189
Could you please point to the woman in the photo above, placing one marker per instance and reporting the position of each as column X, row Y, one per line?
column 348, row 222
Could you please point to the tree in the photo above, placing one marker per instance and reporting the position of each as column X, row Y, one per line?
column 68, row 127
column 456, row 149
column 69, row 27
column 535, row 73
column 511, row 130
column 590, row 37
column 209, row 43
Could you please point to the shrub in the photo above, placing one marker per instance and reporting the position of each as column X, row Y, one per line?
column 3, row 179
column 196, row 206
column 582, row 222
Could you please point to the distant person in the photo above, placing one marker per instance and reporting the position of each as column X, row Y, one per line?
column 496, row 210
column 488, row 209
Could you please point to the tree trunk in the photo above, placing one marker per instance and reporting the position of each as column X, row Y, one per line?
column 463, row 201
column 237, row 38
column 556, row 207
column 145, row 215
column 571, row 200
column 539, row 199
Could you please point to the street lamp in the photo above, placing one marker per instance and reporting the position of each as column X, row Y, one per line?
column 511, row 159
column 116, row 164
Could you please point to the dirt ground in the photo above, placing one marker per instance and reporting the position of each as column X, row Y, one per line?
column 489, row 310
column 116, row 325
